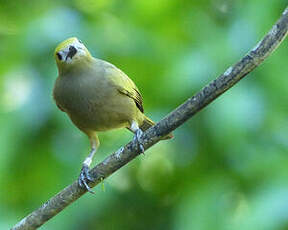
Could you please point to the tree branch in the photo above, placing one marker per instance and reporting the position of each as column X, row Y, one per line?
column 176, row 118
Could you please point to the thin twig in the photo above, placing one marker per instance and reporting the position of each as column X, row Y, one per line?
column 176, row 118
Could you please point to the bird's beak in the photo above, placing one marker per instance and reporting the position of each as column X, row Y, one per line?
column 72, row 51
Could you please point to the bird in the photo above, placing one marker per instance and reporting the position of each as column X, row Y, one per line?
column 97, row 96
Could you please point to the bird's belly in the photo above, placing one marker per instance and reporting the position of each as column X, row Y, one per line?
column 99, row 115
column 93, row 108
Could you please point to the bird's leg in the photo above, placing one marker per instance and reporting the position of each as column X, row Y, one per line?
column 138, row 133
column 84, row 177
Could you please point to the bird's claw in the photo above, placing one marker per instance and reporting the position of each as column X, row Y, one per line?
column 136, row 138
column 85, row 178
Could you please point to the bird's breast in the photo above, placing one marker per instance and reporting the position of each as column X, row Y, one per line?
column 93, row 103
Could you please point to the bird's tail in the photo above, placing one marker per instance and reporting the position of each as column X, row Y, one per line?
column 147, row 123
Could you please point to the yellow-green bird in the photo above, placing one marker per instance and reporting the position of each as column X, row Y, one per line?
column 97, row 96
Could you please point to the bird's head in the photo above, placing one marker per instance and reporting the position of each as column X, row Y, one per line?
column 70, row 52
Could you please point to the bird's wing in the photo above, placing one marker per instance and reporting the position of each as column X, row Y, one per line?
column 135, row 95
column 124, row 84
column 59, row 107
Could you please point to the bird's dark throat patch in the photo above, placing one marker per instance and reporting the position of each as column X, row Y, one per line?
column 71, row 53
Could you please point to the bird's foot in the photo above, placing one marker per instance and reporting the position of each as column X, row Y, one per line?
column 137, row 137
column 85, row 178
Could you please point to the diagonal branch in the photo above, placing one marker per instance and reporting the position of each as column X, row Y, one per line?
column 176, row 118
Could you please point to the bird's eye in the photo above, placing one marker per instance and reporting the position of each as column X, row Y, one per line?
column 59, row 56
column 80, row 41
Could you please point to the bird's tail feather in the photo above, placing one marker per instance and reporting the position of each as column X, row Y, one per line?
column 147, row 123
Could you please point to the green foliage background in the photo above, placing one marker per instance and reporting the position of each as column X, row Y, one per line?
column 225, row 169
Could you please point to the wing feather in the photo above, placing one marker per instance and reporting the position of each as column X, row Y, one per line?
column 124, row 84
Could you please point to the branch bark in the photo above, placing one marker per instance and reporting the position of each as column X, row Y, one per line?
column 173, row 120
